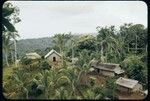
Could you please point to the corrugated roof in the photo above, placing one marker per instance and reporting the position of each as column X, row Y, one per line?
column 129, row 83
column 52, row 51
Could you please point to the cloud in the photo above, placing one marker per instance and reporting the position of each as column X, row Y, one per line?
column 72, row 9
column 45, row 18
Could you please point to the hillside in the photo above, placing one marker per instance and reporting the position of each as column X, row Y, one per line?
column 38, row 44
column 30, row 45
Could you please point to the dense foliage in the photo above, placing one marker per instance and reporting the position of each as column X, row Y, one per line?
column 40, row 79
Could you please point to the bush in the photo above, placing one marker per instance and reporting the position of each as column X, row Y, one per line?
column 136, row 67
column 26, row 61
column 35, row 89
column 97, row 89
column 45, row 65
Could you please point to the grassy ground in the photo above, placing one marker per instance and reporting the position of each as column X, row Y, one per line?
column 7, row 71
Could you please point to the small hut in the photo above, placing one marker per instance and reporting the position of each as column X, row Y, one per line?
column 128, row 85
column 107, row 69
column 33, row 56
column 53, row 56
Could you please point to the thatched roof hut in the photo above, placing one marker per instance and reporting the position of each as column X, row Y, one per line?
column 106, row 66
column 128, row 85
column 33, row 55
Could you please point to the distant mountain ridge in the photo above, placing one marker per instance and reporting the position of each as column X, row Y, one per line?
column 30, row 45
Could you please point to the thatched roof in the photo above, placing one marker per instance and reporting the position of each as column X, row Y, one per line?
column 128, row 83
column 94, row 62
column 33, row 55
column 119, row 71
column 106, row 66
column 51, row 52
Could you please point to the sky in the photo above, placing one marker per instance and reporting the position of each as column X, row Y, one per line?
column 46, row 18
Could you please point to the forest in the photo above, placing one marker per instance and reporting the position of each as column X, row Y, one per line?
column 38, row 79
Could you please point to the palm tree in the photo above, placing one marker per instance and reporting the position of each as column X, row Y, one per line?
column 60, row 40
column 73, row 44
column 6, row 45
column 107, row 40
column 14, row 35
column 15, row 19
column 7, row 11
column 9, row 14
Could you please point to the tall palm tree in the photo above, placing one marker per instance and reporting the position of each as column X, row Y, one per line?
column 14, row 35
column 73, row 44
column 7, row 11
column 6, row 45
column 9, row 14
column 15, row 20
column 106, row 37
column 60, row 40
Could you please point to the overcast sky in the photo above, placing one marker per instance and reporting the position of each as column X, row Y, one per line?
column 46, row 18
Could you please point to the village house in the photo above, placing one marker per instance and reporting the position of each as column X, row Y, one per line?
column 33, row 56
column 128, row 85
column 53, row 56
column 107, row 69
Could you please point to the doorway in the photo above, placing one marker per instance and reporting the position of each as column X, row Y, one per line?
column 54, row 59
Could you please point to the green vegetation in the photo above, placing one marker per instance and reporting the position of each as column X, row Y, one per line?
column 38, row 79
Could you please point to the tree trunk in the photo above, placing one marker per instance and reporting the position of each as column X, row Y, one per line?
column 6, row 58
column 136, row 44
column 146, row 48
column 60, row 50
column 72, row 53
column 102, row 51
column 128, row 47
column 12, row 57
column 15, row 53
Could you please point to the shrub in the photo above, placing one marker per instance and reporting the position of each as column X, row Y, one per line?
column 26, row 61
column 97, row 89
column 35, row 88
column 45, row 65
